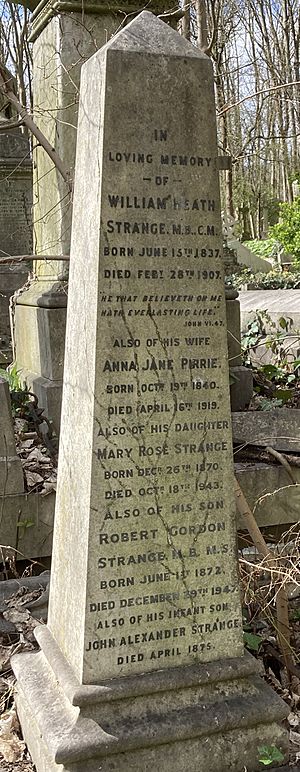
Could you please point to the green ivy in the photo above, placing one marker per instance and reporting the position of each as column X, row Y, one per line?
column 12, row 377
column 274, row 279
column 252, row 641
column 287, row 230
column 282, row 375
column 269, row 753
column 18, row 390
column 265, row 248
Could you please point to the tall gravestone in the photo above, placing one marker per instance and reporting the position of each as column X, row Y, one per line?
column 142, row 661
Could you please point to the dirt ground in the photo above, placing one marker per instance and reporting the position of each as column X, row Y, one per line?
column 19, row 766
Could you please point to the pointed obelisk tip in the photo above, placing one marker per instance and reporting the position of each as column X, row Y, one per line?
column 149, row 34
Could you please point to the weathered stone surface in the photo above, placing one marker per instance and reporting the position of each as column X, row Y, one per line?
column 262, row 354
column 7, row 437
column 43, row 348
column 279, row 428
column 165, row 719
column 15, row 224
column 11, row 278
column 9, row 519
column 71, row 42
column 40, row 328
column 35, row 530
column 16, row 194
column 248, row 258
column 267, row 488
column 14, row 146
column 38, row 608
column 49, row 396
column 270, row 494
column 11, row 475
column 144, row 637
column 276, row 302
column 27, row 524
column 241, row 387
column 148, row 388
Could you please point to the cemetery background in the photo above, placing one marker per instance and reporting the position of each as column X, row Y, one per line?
column 228, row 183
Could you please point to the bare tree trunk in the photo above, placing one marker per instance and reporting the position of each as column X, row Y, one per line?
column 185, row 23
column 202, row 29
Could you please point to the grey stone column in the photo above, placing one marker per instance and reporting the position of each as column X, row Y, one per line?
column 64, row 35
column 241, row 378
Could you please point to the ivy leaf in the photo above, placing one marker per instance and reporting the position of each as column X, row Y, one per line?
column 269, row 753
column 284, row 394
column 252, row 641
column 283, row 323
column 27, row 523
column 269, row 370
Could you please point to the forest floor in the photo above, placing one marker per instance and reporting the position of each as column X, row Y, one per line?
column 39, row 460
column 14, row 756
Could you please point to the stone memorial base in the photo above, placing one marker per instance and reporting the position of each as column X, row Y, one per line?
column 12, row 277
column 241, row 388
column 40, row 340
column 213, row 716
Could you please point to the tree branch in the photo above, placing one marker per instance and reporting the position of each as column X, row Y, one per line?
column 11, row 124
column 258, row 93
column 25, row 258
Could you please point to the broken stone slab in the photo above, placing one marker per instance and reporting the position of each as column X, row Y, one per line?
column 248, row 258
column 12, row 586
column 270, row 494
column 31, row 583
column 11, row 474
column 27, row 524
column 279, row 428
column 277, row 303
column 38, row 608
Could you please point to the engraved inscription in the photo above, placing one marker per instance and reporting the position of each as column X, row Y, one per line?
column 165, row 587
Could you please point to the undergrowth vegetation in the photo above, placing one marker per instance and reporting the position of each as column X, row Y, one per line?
column 276, row 381
column 274, row 279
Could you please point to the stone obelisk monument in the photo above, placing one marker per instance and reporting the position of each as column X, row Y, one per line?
column 142, row 663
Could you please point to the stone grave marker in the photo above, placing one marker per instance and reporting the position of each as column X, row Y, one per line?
column 11, row 475
column 144, row 634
